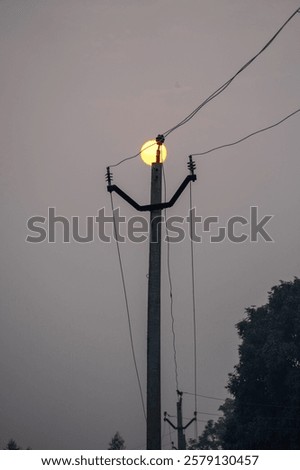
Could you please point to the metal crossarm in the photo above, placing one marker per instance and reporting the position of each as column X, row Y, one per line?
column 151, row 207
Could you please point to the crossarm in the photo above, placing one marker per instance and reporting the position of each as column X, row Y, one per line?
column 152, row 207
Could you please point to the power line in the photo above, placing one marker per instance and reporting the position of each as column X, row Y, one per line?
column 229, row 144
column 199, row 413
column 209, row 414
column 194, row 308
column 251, row 403
column 247, row 136
column 205, row 396
column 133, row 156
column 226, row 84
column 265, row 418
column 170, row 284
column 170, row 436
column 216, row 92
column 127, row 307
column 168, row 433
column 201, row 420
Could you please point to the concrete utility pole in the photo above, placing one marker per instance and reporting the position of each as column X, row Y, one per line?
column 181, row 442
column 180, row 433
column 154, row 275
column 153, row 336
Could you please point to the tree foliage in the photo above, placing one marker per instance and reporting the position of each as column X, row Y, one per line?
column 212, row 437
column 12, row 445
column 265, row 385
column 209, row 439
column 117, row 442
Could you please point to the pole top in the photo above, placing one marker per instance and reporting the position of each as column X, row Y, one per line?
column 160, row 139
column 154, row 151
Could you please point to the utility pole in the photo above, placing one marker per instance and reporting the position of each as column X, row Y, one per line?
column 181, row 442
column 154, row 277
column 180, row 433
column 153, row 335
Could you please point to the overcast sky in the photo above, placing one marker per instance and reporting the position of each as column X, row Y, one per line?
column 85, row 83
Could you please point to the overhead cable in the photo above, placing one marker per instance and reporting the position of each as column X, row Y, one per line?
column 127, row 307
column 194, row 311
column 216, row 92
column 247, row 136
column 226, row 84
column 170, row 285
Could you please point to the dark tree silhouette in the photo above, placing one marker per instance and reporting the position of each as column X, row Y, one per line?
column 213, row 435
column 12, row 445
column 117, row 442
column 209, row 439
column 265, row 410
column 266, row 382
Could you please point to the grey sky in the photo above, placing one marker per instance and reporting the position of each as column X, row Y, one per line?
column 84, row 84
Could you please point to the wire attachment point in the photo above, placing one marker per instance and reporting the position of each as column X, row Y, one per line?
column 191, row 165
column 108, row 176
column 160, row 139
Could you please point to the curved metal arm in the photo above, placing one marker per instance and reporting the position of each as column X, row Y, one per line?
column 152, row 207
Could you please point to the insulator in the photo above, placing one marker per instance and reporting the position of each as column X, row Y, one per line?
column 109, row 175
column 191, row 165
column 160, row 139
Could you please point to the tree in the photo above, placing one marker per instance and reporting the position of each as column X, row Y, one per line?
column 212, row 437
column 208, row 440
column 266, row 382
column 265, row 410
column 117, row 442
column 12, row 445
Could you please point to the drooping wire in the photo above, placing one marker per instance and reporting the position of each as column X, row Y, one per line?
column 199, row 412
column 201, row 420
column 170, row 284
column 252, row 403
column 228, row 82
column 133, row 156
column 247, row 136
column 205, row 396
column 194, row 311
column 209, row 414
column 220, row 89
column 169, row 434
column 127, row 307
